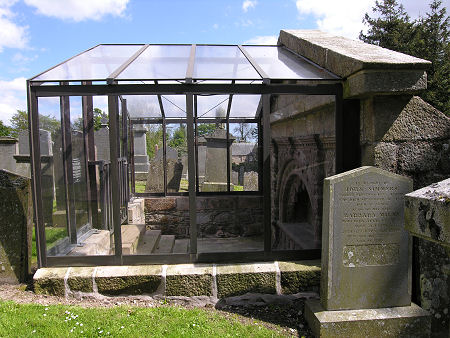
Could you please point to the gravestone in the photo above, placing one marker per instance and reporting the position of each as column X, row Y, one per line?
column 155, row 177
column 235, row 177
column 201, row 153
column 251, row 181
column 16, row 221
column 79, row 178
column 101, row 140
column 216, row 155
column 8, row 148
column 140, row 148
column 366, row 267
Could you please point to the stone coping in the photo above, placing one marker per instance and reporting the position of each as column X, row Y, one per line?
column 213, row 280
column 344, row 56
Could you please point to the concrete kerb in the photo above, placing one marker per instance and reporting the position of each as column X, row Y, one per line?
column 183, row 280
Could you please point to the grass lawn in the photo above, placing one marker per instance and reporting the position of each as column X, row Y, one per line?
column 30, row 320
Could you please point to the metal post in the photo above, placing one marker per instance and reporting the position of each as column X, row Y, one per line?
column 133, row 178
column 191, row 174
column 339, row 129
column 267, row 202
column 68, row 168
column 197, row 187
column 35, row 153
column 89, row 150
column 113, row 110
column 228, row 155
column 164, row 157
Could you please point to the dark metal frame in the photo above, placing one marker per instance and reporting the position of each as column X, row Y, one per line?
column 189, row 88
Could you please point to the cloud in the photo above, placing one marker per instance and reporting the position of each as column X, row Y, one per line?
column 13, row 96
column 334, row 17
column 248, row 4
column 77, row 10
column 11, row 34
column 262, row 40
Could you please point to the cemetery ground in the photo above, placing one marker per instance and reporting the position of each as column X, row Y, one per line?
column 25, row 314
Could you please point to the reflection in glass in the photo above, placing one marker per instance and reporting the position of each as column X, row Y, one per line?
column 95, row 64
column 280, row 63
column 222, row 62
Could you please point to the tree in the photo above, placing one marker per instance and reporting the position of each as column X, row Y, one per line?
column 98, row 116
column 245, row 132
column 205, row 128
column 154, row 138
column 178, row 140
column 426, row 38
column 19, row 122
column 4, row 130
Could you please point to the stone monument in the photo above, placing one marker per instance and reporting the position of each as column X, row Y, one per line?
column 16, row 222
column 216, row 164
column 101, row 140
column 8, row 148
column 366, row 259
column 155, row 177
column 427, row 216
column 251, row 181
column 141, row 164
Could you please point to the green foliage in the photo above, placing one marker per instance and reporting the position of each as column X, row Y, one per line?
column 4, row 130
column 426, row 38
column 178, row 140
column 27, row 320
column 205, row 128
column 154, row 138
column 98, row 115
column 19, row 122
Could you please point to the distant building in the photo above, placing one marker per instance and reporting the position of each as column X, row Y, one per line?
column 243, row 152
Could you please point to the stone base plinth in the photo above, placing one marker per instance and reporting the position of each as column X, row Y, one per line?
column 215, row 186
column 404, row 321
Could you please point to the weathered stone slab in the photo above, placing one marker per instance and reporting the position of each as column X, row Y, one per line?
column 197, row 277
column 131, row 280
column 80, row 279
column 251, row 181
column 299, row 276
column 365, row 249
column 404, row 321
column 8, row 148
column 238, row 279
column 50, row 281
column 16, row 221
column 427, row 212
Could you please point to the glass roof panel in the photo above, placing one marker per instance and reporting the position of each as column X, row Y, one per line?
column 211, row 106
column 174, row 106
column 95, row 64
column 222, row 62
column 280, row 63
column 244, row 106
column 143, row 106
column 159, row 62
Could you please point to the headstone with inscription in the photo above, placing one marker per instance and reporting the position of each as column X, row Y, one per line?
column 366, row 268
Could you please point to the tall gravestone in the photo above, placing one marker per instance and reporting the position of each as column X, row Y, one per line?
column 140, row 149
column 16, row 221
column 174, row 167
column 101, row 140
column 366, row 259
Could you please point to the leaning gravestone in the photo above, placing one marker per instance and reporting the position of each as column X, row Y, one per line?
column 16, row 221
column 174, row 167
column 251, row 181
column 366, row 267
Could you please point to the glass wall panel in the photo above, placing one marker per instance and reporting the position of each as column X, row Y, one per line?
column 148, row 158
column 212, row 154
column 222, row 62
column 280, row 63
column 95, row 64
column 143, row 106
column 303, row 156
column 159, row 62
column 212, row 106
column 245, row 173
column 177, row 158
column 245, row 106
column 174, row 106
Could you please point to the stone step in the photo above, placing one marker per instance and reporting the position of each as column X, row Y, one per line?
column 181, row 246
column 165, row 244
column 148, row 242
column 130, row 237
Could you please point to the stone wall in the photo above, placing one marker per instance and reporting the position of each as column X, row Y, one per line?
column 217, row 216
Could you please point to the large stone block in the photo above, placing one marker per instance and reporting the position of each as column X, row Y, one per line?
column 160, row 204
column 238, row 279
column 50, row 281
column 299, row 276
column 16, row 221
column 427, row 212
column 406, row 321
column 189, row 280
column 81, row 279
column 129, row 280
column 418, row 157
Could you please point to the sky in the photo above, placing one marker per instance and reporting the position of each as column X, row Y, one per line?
column 38, row 34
